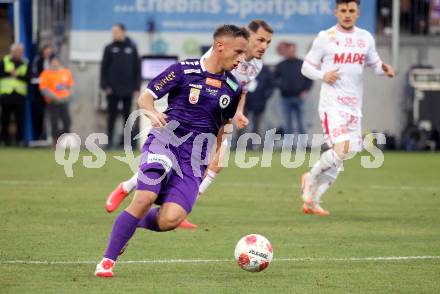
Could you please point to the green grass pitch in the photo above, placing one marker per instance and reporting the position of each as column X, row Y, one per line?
column 393, row 211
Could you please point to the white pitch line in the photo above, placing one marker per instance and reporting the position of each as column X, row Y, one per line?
column 380, row 258
column 195, row 261
column 25, row 183
column 287, row 186
column 382, row 187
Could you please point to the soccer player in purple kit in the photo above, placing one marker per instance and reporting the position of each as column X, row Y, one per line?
column 259, row 40
column 195, row 110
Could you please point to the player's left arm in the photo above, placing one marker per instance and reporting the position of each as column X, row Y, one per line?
column 240, row 119
column 388, row 70
column 238, row 100
column 225, row 130
column 375, row 62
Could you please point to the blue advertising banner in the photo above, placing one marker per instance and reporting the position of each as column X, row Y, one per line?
column 202, row 16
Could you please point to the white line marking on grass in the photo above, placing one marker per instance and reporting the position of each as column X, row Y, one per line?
column 381, row 187
column 380, row 258
column 287, row 186
column 18, row 183
column 175, row 261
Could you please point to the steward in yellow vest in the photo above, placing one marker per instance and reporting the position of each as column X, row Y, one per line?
column 14, row 79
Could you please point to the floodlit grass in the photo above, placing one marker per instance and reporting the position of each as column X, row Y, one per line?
column 391, row 211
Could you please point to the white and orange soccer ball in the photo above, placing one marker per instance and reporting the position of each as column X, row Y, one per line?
column 253, row 253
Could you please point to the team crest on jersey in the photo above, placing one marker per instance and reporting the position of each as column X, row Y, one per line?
column 242, row 68
column 252, row 73
column 361, row 43
column 224, row 101
column 349, row 42
column 194, row 96
column 332, row 37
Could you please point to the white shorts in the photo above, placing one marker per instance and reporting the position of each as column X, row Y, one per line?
column 340, row 126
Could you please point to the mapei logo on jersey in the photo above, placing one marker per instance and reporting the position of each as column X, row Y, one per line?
column 194, row 96
column 168, row 78
column 349, row 58
column 214, row 82
column 224, row 101
column 191, row 71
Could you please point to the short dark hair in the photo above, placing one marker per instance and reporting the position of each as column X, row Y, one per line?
column 255, row 24
column 120, row 25
column 358, row 2
column 45, row 46
column 231, row 31
column 54, row 56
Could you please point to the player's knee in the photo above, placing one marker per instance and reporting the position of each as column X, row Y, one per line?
column 169, row 220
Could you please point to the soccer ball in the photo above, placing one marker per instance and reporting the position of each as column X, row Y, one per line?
column 253, row 253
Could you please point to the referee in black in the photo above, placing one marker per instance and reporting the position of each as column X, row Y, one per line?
column 120, row 77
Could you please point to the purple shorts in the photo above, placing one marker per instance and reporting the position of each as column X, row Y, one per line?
column 166, row 171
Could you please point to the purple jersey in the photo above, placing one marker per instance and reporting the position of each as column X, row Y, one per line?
column 173, row 161
column 197, row 99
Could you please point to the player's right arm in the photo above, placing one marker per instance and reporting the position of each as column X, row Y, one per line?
column 311, row 65
column 146, row 103
column 156, row 89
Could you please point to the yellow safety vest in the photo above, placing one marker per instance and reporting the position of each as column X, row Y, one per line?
column 10, row 84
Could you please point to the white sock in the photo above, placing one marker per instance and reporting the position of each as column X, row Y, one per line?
column 130, row 184
column 207, row 181
column 328, row 160
column 324, row 182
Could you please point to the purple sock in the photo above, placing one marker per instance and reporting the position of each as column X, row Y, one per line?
column 123, row 229
column 149, row 221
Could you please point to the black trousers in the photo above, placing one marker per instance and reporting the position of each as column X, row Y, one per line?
column 59, row 113
column 256, row 117
column 12, row 106
column 113, row 111
column 38, row 106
